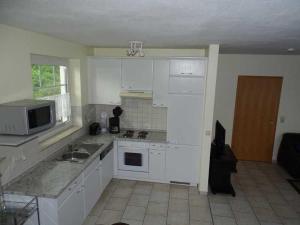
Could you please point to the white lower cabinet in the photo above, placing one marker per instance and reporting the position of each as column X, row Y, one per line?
column 92, row 186
column 182, row 163
column 157, row 165
column 107, row 168
column 71, row 212
column 73, row 205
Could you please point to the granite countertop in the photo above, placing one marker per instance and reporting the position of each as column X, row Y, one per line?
column 50, row 178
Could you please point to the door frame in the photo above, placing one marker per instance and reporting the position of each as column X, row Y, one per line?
column 235, row 108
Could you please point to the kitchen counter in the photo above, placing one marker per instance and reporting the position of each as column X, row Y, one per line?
column 50, row 178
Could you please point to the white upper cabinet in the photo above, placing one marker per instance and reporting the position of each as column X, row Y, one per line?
column 188, row 67
column 104, row 81
column 137, row 74
column 160, row 82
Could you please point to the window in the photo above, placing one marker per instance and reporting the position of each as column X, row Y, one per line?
column 50, row 82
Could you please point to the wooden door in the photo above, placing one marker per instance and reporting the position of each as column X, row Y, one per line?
column 255, row 118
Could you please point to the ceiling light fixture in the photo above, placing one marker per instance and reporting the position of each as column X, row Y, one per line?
column 291, row 49
column 135, row 49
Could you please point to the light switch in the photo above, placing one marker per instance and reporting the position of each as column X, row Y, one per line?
column 282, row 119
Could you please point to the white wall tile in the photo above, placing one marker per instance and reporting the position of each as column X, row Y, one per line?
column 138, row 114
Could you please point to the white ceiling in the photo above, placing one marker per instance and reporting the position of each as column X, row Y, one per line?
column 240, row 26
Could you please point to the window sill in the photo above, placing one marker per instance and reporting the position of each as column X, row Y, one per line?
column 58, row 136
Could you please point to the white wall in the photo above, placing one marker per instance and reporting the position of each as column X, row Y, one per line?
column 16, row 45
column 151, row 52
column 231, row 65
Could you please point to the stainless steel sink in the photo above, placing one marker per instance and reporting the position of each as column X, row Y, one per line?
column 78, row 152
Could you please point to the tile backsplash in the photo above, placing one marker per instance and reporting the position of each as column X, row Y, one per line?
column 137, row 114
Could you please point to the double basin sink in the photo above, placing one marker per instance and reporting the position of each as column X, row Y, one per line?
column 78, row 153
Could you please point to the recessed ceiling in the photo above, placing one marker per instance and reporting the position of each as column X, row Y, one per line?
column 239, row 26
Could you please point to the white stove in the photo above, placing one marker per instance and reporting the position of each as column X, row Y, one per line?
column 133, row 156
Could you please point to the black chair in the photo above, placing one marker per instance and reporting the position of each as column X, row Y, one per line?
column 289, row 154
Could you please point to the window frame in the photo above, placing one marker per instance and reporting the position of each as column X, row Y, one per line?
column 50, row 60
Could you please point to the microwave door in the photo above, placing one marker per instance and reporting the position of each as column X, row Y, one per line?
column 39, row 117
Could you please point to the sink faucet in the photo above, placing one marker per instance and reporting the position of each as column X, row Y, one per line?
column 2, row 202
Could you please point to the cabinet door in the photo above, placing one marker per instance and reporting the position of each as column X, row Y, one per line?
column 104, row 81
column 160, row 83
column 189, row 67
column 157, row 165
column 92, row 189
column 137, row 74
column 184, row 120
column 186, row 85
column 182, row 163
column 71, row 212
column 107, row 168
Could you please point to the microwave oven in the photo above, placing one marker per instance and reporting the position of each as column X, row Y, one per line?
column 27, row 117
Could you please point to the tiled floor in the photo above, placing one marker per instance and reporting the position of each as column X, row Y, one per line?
column 263, row 198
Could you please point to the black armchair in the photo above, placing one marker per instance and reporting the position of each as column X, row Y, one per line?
column 289, row 154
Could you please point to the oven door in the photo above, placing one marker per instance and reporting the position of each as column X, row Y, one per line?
column 133, row 159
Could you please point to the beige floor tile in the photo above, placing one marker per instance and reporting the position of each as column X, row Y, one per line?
column 285, row 211
column 198, row 200
column 155, row 220
column 178, row 205
column 156, row 208
column 98, row 208
column 247, row 218
column 142, row 189
column 122, row 192
column 200, row 214
column 161, row 187
column 259, row 202
column 218, row 198
column 197, row 222
column 134, row 213
column 116, row 203
column 291, row 221
column 220, row 209
column 127, row 183
column 178, row 218
column 159, row 196
column 109, row 217
column 240, row 206
column 132, row 222
column 266, row 215
column 220, row 220
column 138, row 200
column 179, row 193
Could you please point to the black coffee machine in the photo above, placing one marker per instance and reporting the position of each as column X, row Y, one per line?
column 114, row 122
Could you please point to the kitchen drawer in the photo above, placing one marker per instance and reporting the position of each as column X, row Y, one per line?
column 158, row 146
column 65, row 194
column 186, row 85
column 93, row 165
column 133, row 144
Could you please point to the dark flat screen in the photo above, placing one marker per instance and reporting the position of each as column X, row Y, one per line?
column 39, row 117
column 220, row 137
